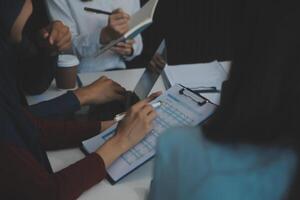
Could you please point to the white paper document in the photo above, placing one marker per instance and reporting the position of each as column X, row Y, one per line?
column 178, row 109
column 195, row 76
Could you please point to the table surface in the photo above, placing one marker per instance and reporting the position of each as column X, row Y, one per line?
column 136, row 185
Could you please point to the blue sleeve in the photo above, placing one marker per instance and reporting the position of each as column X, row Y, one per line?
column 58, row 107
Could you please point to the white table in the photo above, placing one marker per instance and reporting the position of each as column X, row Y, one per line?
column 136, row 185
column 133, row 187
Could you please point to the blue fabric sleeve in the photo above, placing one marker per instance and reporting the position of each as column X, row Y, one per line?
column 61, row 106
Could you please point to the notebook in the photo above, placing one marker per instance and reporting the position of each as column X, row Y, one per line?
column 138, row 22
column 180, row 107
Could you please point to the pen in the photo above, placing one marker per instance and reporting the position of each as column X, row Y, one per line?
column 97, row 11
column 121, row 116
column 207, row 91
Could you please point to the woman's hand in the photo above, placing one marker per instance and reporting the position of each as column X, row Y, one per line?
column 157, row 63
column 135, row 126
column 101, row 91
column 124, row 48
column 56, row 37
column 117, row 26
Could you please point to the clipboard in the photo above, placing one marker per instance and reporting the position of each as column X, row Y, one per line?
column 180, row 107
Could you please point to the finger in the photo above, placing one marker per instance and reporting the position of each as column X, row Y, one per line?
column 119, row 22
column 160, row 63
column 152, row 65
column 147, row 109
column 64, row 43
column 121, row 44
column 120, row 15
column 118, row 10
column 140, row 105
column 130, row 42
column 126, row 47
column 161, row 60
column 53, row 36
column 44, row 33
column 120, row 90
column 153, row 96
column 65, row 36
column 151, row 116
column 121, row 51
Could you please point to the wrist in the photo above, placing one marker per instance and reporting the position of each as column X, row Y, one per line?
column 82, row 96
column 110, row 151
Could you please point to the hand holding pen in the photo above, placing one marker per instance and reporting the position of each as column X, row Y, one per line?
column 116, row 27
column 155, row 105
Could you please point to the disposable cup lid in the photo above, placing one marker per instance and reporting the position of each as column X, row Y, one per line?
column 67, row 61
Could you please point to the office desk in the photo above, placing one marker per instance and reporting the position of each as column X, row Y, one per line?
column 136, row 185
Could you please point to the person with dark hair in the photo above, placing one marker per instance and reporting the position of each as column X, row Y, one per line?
column 35, row 44
column 25, row 170
column 39, row 48
column 249, row 149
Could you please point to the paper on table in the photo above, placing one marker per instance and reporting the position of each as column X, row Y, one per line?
column 194, row 76
column 176, row 110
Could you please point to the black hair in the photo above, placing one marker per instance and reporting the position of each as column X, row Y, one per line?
column 260, row 102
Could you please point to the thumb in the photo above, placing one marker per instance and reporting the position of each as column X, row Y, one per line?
column 153, row 96
column 45, row 34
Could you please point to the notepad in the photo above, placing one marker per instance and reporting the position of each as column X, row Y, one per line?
column 138, row 22
column 177, row 110
column 194, row 76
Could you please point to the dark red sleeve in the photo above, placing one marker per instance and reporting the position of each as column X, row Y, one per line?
column 64, row 134
column 22, row 177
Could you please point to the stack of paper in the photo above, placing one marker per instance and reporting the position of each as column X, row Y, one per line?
column 195, row 76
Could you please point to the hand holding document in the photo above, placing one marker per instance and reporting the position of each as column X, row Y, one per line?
column 174, row 109
column 138, row 22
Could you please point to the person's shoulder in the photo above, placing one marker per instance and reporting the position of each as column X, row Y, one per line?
column 182, row 140
column 175, row 136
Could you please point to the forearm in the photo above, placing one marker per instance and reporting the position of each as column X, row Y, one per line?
column 59, row 134
column 58, row 107
column 22, row 177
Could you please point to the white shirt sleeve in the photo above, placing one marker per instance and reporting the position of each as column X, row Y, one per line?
column 138, row 45
column 83, row 45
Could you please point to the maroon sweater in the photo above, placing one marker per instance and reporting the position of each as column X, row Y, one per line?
column 22, row 177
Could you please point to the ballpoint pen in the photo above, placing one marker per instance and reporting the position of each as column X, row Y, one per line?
column 97, row 11
column 121, row 116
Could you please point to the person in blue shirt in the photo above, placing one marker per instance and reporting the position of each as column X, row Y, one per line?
column 249, row 149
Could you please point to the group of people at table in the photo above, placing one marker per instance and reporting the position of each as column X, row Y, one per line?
column 249, row 148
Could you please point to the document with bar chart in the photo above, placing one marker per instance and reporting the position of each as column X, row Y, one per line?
column 179, row 107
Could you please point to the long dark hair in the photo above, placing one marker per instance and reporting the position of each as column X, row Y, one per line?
column 260, row 102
